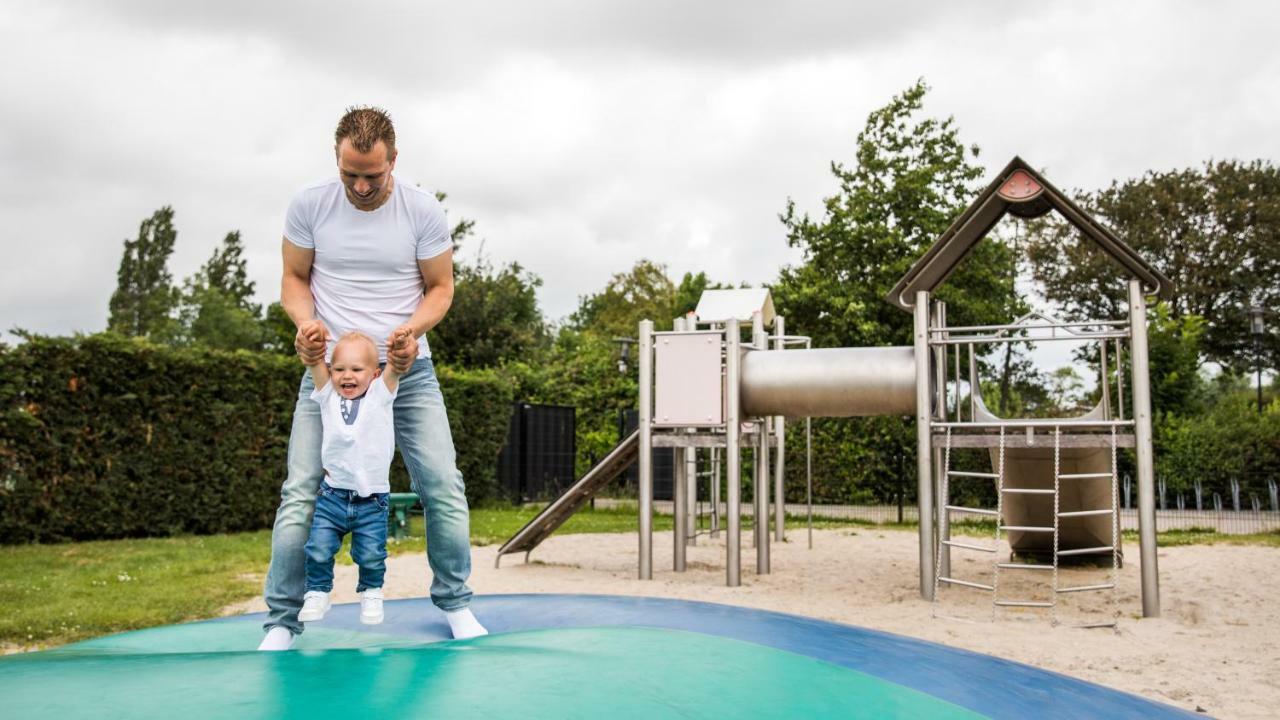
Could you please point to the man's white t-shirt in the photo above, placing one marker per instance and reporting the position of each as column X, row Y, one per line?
column 358, row 456
column 365, row 275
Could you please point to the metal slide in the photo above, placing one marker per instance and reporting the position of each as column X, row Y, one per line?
column 1033, row 468
column 572, row 500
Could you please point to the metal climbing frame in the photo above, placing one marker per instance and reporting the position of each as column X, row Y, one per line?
column 947, row 421
column 1111, row 512
column 691, row 395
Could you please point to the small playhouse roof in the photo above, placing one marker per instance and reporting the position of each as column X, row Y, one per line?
column 739, row 304
column 1020, row 190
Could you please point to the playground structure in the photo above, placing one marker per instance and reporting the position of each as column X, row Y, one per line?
column 1056, row 479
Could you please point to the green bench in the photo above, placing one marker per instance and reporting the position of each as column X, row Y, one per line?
column 398, row 508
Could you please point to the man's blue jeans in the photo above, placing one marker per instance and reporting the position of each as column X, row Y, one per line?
column 422, row 434
column 339, row 512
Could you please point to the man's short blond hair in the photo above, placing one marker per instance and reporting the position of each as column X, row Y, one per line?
column 364, row 126
column 355, row 336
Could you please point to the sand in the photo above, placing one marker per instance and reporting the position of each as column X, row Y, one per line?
column 1215, row 648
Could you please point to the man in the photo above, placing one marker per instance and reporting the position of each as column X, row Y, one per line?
column 363, row 252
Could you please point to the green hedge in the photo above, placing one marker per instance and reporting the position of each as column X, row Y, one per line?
column 106, row 437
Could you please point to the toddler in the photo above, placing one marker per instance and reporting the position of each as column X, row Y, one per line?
column 355, row 400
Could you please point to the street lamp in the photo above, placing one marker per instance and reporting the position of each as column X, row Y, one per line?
column 623, row 351
column 1257, row 328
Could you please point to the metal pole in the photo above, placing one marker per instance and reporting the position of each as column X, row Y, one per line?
column 808, row 474
column 761, row 488
column 733, row 459
column 646, row 449
column 940, row 409
column 924, row 471
column 1105, row 380
column 780, row 462
column 715, row 492
column 679, row 495
column 1257, row 352
column 691, row 499
column 1146, row 465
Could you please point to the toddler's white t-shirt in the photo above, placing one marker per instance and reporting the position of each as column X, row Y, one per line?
column 365, row 274
column 358, row 456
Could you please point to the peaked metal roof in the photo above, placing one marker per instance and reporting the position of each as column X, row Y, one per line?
column 737, row 303
column 1022, row 191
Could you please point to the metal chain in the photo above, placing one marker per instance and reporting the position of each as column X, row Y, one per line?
column 995, row 580
column 937, row 549
column 1057, row 471
column 1115, row 534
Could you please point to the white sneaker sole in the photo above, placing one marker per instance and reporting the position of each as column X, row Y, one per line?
column 313, row 615
column 371, row 619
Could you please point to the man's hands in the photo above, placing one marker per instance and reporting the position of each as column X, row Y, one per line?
column 310, row 342
column 402, row 348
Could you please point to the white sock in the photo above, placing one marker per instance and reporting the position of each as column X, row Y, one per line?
column 464, row 625
column 277, row 638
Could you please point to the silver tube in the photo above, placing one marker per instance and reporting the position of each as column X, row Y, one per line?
column 760, row 490
column 780, row 461
column 646, row 449
column 733, row 459
column 830, row 382
column 1145, row 455
column 924, row 473
column 943, row 552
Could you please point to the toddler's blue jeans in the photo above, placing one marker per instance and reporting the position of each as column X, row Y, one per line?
column 339, row 512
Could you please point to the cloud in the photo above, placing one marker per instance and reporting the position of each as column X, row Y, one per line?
column 580, row 137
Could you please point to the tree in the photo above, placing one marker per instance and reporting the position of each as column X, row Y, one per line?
column 144, row 295
column 912, row 177
column 215, row 309
column 494, row 317
column 227, row 272
column 644, row 292
column 1215, row 232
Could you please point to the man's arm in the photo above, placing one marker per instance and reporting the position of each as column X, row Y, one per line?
column 295, row 297
column 437, row 279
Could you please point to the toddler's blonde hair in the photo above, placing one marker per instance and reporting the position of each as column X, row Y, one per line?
column 357, row 336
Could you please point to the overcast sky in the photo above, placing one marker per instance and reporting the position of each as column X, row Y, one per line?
column 579, row 136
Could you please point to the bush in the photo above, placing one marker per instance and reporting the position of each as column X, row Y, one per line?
column 1230, row 441
column 105, row 437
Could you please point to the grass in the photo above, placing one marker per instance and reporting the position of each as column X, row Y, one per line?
column 55, row 594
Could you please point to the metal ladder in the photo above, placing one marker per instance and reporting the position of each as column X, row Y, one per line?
column 1001, row 490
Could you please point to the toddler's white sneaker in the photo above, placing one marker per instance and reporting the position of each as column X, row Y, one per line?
column 314, row 605
column 371, row 606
